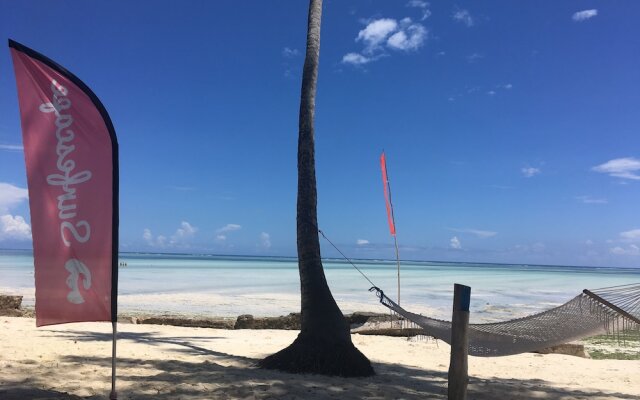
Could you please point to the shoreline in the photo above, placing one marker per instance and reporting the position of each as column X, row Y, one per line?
column 168, row 362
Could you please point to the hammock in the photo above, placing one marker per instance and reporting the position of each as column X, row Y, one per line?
column 608, row 310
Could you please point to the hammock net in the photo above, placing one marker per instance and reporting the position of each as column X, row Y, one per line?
column 600, row 311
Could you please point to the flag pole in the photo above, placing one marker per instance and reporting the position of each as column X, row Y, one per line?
column 113, row 395
column 392, row 222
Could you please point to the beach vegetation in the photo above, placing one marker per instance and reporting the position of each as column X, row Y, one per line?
column 624, row 345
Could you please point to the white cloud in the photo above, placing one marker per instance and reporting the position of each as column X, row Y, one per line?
column 362, row 242
column 146, row 235
column 422, row 5
column 463, row 16
column 508, row 86
column 584, row 15
column 538, row 247
column 591, row 200
column 454, row 243
column 491, row 92
column 180, row 238
column 631, row 250
column 229, row 228
column 265, row 240
column 376, row 32
column 589, row 242
column 356, row 59
column 152, row 241
column 471, row 58
column 631, row 236
column 14, row 228
column 185, row 231
column 12, row 147
column 411, row 38
column 221, row 238
column 620, row 168
column 529, row 172
column 477, row 232
column 386, row 33
column 11, row 196
column 288, row 52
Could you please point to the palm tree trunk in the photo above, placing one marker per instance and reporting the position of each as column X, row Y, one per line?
column 324, row 344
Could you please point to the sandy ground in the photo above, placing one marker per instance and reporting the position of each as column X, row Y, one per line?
column 165, row 362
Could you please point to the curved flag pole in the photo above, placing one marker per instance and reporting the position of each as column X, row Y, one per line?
column 390, row 216
column 71, row 154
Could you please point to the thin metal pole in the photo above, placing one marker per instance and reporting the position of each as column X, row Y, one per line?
column 113, row 395
column 395, row 240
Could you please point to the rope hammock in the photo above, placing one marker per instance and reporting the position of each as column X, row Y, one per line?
column 609, row 310
column 614, row 309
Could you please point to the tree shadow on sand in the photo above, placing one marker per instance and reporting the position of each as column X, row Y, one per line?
column 35, row 394
column 227, row 376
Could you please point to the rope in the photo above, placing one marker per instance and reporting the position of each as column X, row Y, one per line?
column 348, row 260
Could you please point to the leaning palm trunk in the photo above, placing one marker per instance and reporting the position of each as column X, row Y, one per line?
column 324, row 344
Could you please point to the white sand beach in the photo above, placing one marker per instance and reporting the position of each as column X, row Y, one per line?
column 166, row 362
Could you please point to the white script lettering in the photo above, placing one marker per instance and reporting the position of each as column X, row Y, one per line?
column 66, row 178
column 77, row 268
column 66, row 204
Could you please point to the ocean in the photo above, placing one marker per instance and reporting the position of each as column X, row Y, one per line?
column 228, row 286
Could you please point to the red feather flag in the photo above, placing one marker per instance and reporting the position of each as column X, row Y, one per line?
column 71, row 154
column 387, row 195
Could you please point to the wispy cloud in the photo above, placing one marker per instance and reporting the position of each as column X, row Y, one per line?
column 14, row 227
column 183, row 233
column 631, row 250
column 624, row 168
column 362, row 242
column 11, row 196
column 289, row 52
column 376, row 33
column 472, row 58
column 454, row 243
column 356, row 59
column 584, row 15
column 410, row 38
column 182, row 188
column 288, row 55
column 476, row 232
column 229, row 228
column 423, row 6
column 11, row 147
column 631, row 236
column 265, row 240
column 463, row 16
column 529, row 172
column 180, row 238
column 591, row 200
column 386, row 33
column 151, row 240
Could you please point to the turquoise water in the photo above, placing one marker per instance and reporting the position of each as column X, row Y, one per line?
column 232, row 285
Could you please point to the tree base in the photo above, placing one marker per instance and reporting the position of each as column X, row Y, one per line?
column 315, row 355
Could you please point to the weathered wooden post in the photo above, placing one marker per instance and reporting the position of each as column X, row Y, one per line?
column 458, row 366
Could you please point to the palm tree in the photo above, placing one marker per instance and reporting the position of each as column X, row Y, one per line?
column 324, row 344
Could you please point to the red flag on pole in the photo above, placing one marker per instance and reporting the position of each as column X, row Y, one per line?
column 71, row 154
column 387, row 195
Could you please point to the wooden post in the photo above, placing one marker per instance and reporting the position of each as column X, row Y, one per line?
column 458, row 366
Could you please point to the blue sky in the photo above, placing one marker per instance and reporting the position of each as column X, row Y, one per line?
column 511, row 128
